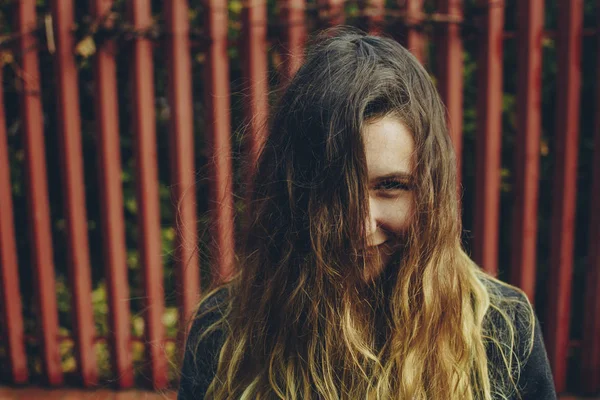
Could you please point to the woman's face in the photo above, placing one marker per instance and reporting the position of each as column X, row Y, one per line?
column 389, row 149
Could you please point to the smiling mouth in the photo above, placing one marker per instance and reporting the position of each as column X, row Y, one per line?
column 381, row 244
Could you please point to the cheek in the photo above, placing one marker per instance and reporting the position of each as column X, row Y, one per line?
column 399, row 214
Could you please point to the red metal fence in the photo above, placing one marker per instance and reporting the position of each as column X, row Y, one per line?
column 291, row 31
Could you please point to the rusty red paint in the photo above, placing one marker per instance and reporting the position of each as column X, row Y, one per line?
column 565, row 178
column 449, row 53
column 10, row 297
column 255, row 71
column 37, row 194
column 591, row 333
column 33, row 393
column 111, row 205
column 69, row 134
column 217, row 100
column 294, row 35
column 488, row 138
column 527, row 146
column 412, row 36
column 183, row 184
column 527, row 159
column 149, row 240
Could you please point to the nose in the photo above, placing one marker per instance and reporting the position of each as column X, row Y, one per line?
column 375, row 235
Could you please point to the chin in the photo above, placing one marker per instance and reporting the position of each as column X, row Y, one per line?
column 371, row 275
column 387, row 254
column 378, row 268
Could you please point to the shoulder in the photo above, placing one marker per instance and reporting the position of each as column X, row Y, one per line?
column 203, row 346
column 501, row 289
column 211, row 309
column 213, row 305
column 510, row 315
column 510, row 304
column 511, row 311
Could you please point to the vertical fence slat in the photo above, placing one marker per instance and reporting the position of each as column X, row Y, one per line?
column 591, row 332
column 254, row 51
column 183, row 184
column 149, row 239
column 69, row 133
column 527, row 145
column 489, row 137
column 37, row 194
column 412, row 34
column 216, row 78
column 565, row 178
column 111, row 204
column 294, row 34
column 449, row 57
column 10, row 296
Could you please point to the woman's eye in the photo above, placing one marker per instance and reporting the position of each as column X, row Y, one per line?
column 393, row 185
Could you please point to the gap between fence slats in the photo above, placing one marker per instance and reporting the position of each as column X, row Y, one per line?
column 11, row 319
column 331, row 13
column 413, row 37
column 591, row 332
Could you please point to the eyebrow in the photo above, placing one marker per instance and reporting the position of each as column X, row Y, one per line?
column 402, row 175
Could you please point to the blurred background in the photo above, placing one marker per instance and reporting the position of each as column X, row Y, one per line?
column 127, row 128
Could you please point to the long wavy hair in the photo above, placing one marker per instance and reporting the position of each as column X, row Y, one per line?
column 300, row 321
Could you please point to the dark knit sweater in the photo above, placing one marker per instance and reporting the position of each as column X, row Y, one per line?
column 535, row 381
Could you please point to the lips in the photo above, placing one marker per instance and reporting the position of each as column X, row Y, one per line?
column 381, row 244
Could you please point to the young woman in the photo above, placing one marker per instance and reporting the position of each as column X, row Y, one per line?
column 353, row 283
